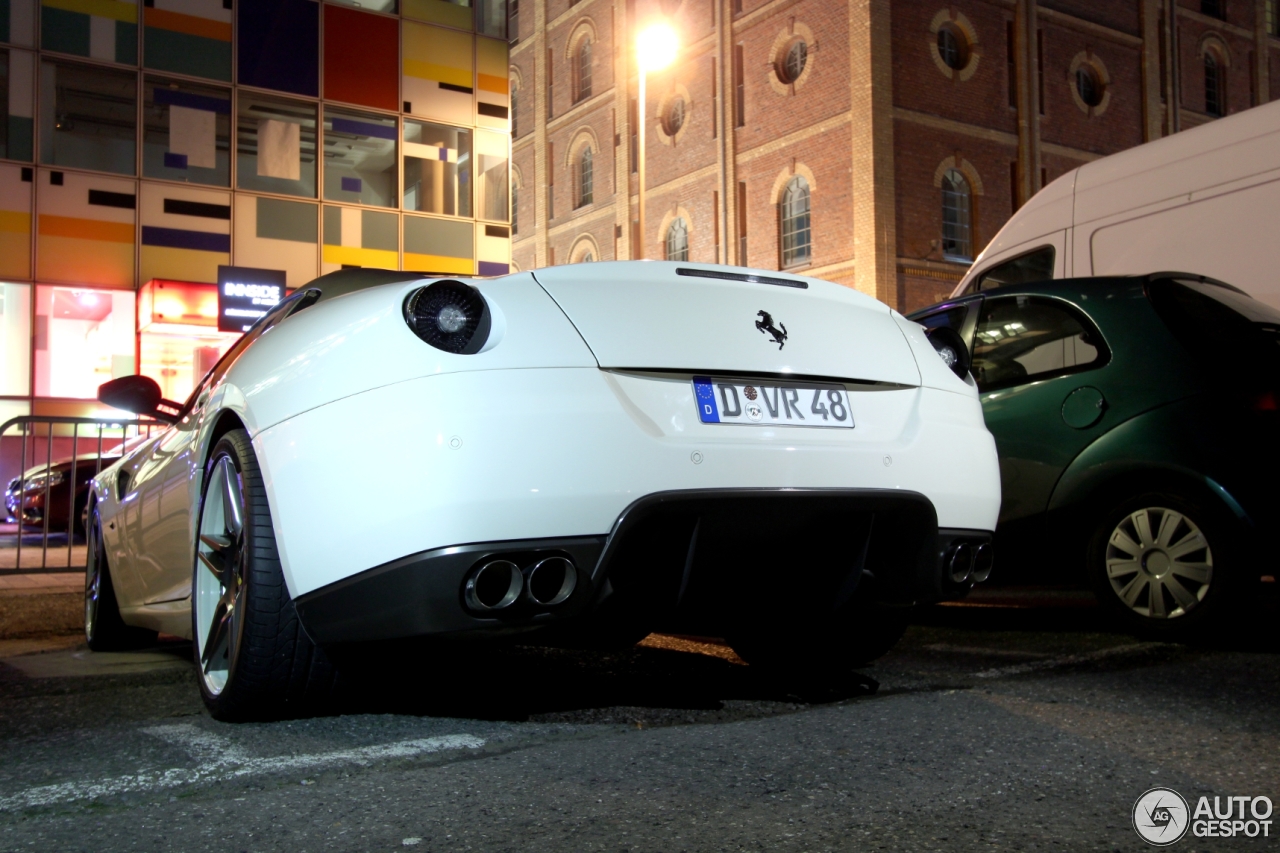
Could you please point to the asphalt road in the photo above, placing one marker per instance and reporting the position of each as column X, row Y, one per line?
column 992, row 728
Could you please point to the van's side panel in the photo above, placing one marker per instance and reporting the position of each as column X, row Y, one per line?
column 1225, row 236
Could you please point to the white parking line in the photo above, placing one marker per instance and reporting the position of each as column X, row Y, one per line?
column 220, row 760
column 1069, row 660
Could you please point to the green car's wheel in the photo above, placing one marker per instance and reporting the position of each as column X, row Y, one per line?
column 254, row 659
column 1157, row 563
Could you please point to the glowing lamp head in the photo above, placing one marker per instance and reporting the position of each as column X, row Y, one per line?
column 656, row 46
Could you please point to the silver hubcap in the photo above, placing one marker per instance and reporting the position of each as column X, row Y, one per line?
column 1159, row 563
column 92, row 576
column 220, row 583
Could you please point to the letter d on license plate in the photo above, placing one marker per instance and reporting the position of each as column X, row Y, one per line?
column 730, row 401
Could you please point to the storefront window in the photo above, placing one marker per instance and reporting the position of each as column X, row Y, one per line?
column 178, row 334
column 437, row 168
column 83, row 337
column 186, row 132
column 360, row 158
column 88, row 117
column 15, row 339
column 492, row 179
column 276, row 146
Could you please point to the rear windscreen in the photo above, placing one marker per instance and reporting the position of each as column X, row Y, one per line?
column 1221, row 325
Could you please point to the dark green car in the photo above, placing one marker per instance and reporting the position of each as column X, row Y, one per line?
column 1139, row 439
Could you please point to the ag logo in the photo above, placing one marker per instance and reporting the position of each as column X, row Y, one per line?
column 1161, row 817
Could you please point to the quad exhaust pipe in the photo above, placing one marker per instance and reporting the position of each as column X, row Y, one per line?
column 970, row 562
column 499, row 584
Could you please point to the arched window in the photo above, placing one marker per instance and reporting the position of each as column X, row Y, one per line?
column 678, row 240
column 587, row 258
column 797, row 241
column 586, row 180
column 1214, row 96
column 515, row 100
column 583, row 70
column 957, row 240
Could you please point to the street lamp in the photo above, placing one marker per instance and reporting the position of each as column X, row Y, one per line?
column 656, row 47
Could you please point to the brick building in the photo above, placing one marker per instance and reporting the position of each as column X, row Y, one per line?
column 876, row 144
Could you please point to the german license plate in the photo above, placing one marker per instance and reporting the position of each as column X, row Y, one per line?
column 803, row 404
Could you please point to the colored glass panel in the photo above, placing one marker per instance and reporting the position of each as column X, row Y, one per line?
column 360, row 58
column 279, row 45
column 276, row 146
column 85, row 229
column 451, row 14
column 439, row 73
column 493, row 97
column 17, row 104
column 100, row 29
column 188, row 37
column 360, row 157
column 439, row 246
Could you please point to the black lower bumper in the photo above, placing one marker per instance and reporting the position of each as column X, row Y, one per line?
column 701, row 561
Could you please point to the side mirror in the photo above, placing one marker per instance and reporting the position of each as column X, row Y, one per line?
column 140, row 395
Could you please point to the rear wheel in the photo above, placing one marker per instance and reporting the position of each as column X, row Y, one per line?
column 104, row 630
column 254, row 659
column 1159, row 562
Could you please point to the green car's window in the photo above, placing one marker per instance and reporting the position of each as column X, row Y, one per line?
column 1021, row 339
column 1036, row 265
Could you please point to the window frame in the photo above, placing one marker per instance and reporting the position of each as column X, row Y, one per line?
column 792, row 253
column 586, row 177
column 1097, row 340
column 582, row 69
column 683, row 253
column 1215, row 100
column 948, row 184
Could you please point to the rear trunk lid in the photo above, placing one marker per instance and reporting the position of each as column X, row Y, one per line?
column 703, row 318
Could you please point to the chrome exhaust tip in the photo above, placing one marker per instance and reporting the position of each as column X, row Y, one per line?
column 983, row 559
column 551, row 581
column 494, row 586
column 960, row 566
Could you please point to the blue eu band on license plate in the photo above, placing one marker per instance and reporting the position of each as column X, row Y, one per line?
column 805, row 404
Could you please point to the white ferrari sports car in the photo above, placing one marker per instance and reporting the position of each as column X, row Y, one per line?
column 579, row 453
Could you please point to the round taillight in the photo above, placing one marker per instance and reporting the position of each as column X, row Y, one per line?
column 449, row 315
column 951, row 349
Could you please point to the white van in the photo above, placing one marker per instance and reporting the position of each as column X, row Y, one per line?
column 1201, row 201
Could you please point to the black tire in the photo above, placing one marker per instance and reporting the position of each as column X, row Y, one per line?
column 859, row 637
column 104, row 630
column 1203, row 577
column 254, row 659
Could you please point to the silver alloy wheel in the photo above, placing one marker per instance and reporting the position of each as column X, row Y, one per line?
column 92, row 575
column 1159, row 563
column 220, row 588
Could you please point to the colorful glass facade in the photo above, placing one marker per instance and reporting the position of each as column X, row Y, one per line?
column 143, row 144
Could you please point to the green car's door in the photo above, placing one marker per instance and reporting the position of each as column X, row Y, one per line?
column 1040, row 365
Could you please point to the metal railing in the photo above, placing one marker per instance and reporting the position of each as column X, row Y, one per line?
column 38, row 463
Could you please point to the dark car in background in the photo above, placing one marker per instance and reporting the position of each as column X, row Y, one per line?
column 1136, row 419
column 45, row 494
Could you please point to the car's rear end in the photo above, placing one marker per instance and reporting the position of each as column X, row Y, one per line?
column 702, row 447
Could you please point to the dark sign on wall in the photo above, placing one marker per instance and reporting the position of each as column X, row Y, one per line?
column 245, row 294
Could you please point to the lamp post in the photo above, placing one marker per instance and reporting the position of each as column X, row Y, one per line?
column 656, row 47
